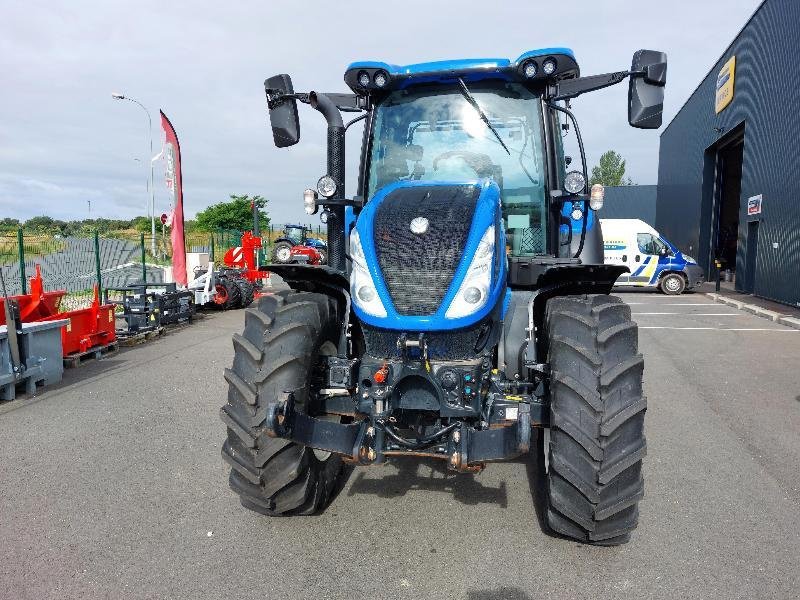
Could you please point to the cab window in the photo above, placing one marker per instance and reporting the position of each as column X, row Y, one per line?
column 650, row 244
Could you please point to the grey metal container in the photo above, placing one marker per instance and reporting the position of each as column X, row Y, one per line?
column 40, row 351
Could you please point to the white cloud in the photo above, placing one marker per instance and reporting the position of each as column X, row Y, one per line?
column 64, row 141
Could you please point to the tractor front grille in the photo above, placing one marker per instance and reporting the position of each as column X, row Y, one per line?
column 418, row 268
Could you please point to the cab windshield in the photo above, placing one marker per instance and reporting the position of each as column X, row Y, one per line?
column 296, row 234
column 435, row 133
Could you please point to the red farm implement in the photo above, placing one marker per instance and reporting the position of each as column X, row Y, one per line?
column 87, row 330
column 37, row 304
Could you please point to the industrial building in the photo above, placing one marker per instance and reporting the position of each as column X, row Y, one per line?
column 729, row 164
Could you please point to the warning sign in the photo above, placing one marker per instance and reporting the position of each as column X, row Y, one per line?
column 754, row 205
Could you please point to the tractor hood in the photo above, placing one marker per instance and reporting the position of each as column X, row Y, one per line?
column 428, row 255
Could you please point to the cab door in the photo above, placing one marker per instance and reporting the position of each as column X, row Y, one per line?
column 644, row 259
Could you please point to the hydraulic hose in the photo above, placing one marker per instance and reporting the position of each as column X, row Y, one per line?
column 422, row 442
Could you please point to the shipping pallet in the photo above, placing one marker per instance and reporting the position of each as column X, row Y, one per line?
column 97, row 353
column 134, row 339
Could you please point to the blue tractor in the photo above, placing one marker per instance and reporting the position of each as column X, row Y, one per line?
column 296, row 235
column 465, row 305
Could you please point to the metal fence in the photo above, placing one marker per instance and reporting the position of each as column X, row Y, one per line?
column 78, row 263
column 111, row 260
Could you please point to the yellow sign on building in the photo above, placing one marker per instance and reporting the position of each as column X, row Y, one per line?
column 725, row 85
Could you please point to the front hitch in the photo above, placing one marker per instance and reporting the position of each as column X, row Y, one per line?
column 465, row 449
column 285, row 421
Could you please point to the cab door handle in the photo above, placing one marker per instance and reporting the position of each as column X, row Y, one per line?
column 637, row 258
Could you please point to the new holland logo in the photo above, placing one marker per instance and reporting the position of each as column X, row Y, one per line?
column 419, row 225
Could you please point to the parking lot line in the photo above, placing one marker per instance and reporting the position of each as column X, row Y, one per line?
column 720, row 328
column 672, row 303
column 691, row 314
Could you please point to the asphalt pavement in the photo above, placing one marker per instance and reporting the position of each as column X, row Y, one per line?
column 112, row 486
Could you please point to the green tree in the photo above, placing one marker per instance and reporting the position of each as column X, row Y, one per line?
column 610, row 171
column 42, row 224
column 9, row 224
column 141, row 224
column 236, row 214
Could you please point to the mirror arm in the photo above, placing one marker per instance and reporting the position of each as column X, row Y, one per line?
column 276, row 97
column 570, row 88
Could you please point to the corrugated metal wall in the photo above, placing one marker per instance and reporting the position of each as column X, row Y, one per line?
column 767, row 102
column 630, row 202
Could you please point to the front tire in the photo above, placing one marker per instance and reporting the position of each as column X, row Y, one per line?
column 597, row 408
column 673, row 284
column 284, row 336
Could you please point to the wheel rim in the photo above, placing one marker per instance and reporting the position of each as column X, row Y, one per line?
column 221, row 296
column 283, row 254
column 672, row 284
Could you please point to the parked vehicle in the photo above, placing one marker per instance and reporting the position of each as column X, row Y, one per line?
column 294, row 236
column 470, row 306
column 652, row 260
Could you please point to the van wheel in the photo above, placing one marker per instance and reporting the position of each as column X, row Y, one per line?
column 673, row 284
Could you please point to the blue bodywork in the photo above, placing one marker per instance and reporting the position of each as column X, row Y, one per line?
column 577, row 224
column 316, row 243
column 460, row 65
column 677, row 262
column 487, row 213
column 470, row 69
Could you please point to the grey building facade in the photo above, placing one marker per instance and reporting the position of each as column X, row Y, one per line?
column 630, row 202
column 729, row 162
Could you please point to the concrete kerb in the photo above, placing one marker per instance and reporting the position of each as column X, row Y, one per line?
column 772, row 315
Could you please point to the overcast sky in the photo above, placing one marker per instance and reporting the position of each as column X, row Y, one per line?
column 64, row 141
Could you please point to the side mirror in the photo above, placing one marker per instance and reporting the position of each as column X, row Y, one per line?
column 646, row 89
column 283, row 115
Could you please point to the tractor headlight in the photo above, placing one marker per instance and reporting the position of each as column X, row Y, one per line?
column 363, row 79
column 362, row 287
column 549, row 66
column 473, row 293
column 326, row 186
column 310, row 201
column 380, row 79
column 596, row 197
column 529, row 69
column 574, row 182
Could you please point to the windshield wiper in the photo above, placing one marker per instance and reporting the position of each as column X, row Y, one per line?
column 469, row 98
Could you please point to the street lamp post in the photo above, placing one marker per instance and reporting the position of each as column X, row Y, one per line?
column 118, row 96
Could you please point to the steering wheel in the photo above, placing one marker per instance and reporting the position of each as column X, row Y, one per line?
column 480, row 163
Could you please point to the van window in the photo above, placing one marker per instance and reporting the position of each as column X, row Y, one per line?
column 649, row 244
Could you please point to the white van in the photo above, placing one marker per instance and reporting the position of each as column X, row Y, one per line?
column 652, row 260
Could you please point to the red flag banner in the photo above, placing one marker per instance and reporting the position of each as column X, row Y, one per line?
column 172, row 154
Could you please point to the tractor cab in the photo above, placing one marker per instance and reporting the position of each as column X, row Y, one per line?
column 466, row 121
